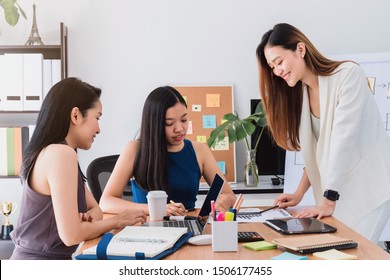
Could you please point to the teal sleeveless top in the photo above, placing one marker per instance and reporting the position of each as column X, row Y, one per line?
column 183, row 178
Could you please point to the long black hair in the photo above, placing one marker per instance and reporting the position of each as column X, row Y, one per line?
column 54, row 117
column 283, row 104
column 150, row 166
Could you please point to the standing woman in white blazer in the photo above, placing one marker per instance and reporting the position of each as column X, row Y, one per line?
column 326, row 110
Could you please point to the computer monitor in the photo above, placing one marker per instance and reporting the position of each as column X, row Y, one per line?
column 270, row 158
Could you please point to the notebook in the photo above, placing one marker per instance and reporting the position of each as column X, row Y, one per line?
column 299, row 225
column 315, row 243
column 196, row 226
column 137, row 242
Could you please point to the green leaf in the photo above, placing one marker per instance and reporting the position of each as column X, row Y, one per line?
column 232, row 134
column 249, row 127
column 230, row 117
column 21, row 11
column 240, row 132
column 11, row 11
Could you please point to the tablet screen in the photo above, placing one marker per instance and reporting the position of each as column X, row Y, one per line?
column 300, row 225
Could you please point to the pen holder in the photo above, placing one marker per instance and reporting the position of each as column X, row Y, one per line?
column 224, row 236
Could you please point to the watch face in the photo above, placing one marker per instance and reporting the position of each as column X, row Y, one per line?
column 331, row 195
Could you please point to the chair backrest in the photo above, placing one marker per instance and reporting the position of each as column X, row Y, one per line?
column 98, row 173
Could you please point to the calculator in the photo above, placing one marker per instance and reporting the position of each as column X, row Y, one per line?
column 249, row 236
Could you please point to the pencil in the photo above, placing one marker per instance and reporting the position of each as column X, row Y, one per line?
column 239, row 204
column 237, row 200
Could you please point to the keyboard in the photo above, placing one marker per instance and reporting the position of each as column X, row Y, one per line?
column 192, row 225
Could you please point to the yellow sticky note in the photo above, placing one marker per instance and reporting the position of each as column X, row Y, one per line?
column 371, row 83
column 213, row 100
column 222, row 145
column 201, row 138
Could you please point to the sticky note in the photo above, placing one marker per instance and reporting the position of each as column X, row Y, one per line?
column 222, row 166
column 196, row 108
column 201, row 138
column 371, row 83
column 209, row 121
column 289, row 256
column 189, row 129
column 388, row 90
column 259, row 245
column 334, row 254
column 213, row 100
column 222, row 145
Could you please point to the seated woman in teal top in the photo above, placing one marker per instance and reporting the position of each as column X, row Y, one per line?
column 162, row 159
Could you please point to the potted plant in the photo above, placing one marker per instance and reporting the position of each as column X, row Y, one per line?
column 12, row 11
column 238, row 129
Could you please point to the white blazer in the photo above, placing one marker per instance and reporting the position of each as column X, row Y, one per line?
column 352, row 155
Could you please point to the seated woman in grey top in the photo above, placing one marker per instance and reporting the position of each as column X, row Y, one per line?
column 57, row 211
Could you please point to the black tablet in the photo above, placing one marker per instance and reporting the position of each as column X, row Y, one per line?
column 299, row 225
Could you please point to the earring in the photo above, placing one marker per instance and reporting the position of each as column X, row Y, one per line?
column 303, row 55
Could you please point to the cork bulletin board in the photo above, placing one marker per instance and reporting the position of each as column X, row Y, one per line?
column 206, row 107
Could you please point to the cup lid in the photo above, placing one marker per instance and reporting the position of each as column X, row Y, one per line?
column 156, row 194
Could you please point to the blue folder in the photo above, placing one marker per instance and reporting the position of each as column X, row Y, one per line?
column 101, row 251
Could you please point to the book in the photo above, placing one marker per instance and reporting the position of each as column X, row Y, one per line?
column 334, row 254
column 288, row 256
column 315, row 243
column 259, row 245
column 137, row 242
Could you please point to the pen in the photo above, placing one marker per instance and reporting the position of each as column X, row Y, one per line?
column 265, row 210
column 260, row 212
column 178, row 218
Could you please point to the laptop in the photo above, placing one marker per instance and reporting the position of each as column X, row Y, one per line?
column 299, row 225
column 198, row 224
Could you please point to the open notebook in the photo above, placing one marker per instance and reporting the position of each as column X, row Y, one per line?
column 136, row 240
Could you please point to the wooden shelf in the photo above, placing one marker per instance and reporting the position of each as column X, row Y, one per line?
column 48, row 51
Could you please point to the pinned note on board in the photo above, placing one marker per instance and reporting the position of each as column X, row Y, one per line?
column 213, row 100
column 209, row 121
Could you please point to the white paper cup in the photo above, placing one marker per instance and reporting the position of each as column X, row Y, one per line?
column 157, row 201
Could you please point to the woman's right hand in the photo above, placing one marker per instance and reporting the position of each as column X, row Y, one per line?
column 130, row 217
column 287, row 200
column 176, row 209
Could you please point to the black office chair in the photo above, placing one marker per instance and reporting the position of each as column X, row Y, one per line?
column 98, row 173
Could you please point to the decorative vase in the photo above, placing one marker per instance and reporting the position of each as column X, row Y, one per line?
column 251, row 171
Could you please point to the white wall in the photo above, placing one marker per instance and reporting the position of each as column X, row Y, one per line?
column 129, row 47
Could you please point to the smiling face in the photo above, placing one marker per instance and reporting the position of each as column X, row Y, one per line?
column 287, row 64
column 85, row 128
column 176, row 125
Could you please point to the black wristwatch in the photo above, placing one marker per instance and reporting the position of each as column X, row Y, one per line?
column 331, row 195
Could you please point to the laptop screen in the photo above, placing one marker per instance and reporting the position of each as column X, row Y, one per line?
column 212, row 194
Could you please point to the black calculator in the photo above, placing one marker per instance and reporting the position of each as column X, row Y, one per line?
column 249, row 236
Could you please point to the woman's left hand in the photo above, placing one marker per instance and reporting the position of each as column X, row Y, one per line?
column 85, row 217
column 325, row 209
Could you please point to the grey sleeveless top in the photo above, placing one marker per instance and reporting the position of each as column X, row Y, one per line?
column 36, row 234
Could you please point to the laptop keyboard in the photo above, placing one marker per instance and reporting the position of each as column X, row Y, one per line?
column 191, row 225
